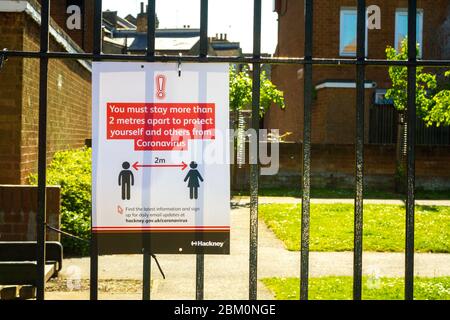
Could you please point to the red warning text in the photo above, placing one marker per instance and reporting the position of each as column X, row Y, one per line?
column 160, row 126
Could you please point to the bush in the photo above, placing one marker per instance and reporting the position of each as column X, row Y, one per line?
column 71, row 170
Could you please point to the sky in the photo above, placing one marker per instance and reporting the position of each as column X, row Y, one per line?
column 234, row 17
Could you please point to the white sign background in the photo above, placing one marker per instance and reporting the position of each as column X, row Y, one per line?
column 160, row 187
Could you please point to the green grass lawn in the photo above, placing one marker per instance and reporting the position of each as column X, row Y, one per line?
column 384, row 227
column 340, row 288
column 330, row 193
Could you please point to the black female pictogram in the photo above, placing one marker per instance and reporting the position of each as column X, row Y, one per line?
column 194, row 178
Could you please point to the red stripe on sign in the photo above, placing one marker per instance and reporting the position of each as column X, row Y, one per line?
column 157, row 227
column 147, row 229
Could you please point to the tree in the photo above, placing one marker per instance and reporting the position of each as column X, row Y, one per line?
column 241, row 92
column 241, row 98
column 432, row 101
column 432, row 98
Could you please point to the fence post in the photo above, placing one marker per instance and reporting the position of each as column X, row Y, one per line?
column 97, row 50
column 411, row 149
column 42, row 158
column 254, row 167
column 200, row 258
column 359, row 144
column 306, row 174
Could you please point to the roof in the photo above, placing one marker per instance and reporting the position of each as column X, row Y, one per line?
column 343, row 84
column 226, row 45
column 166, row 44
column 165, row 39
column 159, row 33
column 131, row 19
column 112, row 21
column 32, row 9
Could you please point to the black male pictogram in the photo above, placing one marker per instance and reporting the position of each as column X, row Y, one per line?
column 126, row 180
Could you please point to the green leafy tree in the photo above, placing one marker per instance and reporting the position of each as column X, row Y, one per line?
column 71, row 169
column 432, row 98
column 241, row 99
column 241, row 92
column 432, row 102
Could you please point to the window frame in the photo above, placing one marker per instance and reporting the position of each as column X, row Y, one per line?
column 342, row 12
column 404, row 12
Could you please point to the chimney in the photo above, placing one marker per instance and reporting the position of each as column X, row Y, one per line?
column 224, row 36
column 142, row 20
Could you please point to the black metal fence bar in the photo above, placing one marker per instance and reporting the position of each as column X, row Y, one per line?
column 254, row 167
column 411, row 144
column 147, row 259
column 225, row 59
column 147, row 269
column 151, row 29
column 306, row 174
column 42, row 156
column 203, row 53
column 204, row 28
column 308, row 61
column 359, row 148
column 97, row 49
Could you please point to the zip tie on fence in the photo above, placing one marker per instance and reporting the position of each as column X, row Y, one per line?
column 179, row 64
column 3, row 58
column 66, row 233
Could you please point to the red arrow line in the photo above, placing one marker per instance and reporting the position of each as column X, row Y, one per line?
column 136, row 165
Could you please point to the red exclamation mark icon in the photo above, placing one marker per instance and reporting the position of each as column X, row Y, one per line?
column 160, row 86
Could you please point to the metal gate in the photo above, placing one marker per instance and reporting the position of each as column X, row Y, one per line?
column 308, row 61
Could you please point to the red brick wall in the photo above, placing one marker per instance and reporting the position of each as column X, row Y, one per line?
column 333, row 166
column 69, row 104
column 326, row 45
column 58, row 12
column 11, row 37
column 333, row 114
column 18, row 207
column 69, row 101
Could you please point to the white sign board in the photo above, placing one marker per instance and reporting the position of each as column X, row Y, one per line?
column 160, row 163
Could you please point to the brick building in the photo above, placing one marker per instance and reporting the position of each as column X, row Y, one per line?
column 334, row 36
column 334, row 97
column 69, row 85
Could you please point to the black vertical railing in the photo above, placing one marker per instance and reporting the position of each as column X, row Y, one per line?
column 306, row 174
column 308, row 61
column 151, row 29
column 203, row 54
column 359, row 148
column 411, row 142
column 147, row 258
column 146, row 269
column 97, row 50
column 42, row 149
column 254, row 166
column 204, row 28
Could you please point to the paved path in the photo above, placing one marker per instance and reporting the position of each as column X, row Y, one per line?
column 226, row 277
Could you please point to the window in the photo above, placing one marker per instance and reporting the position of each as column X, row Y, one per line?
column 401, row 28
column 348, row 33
